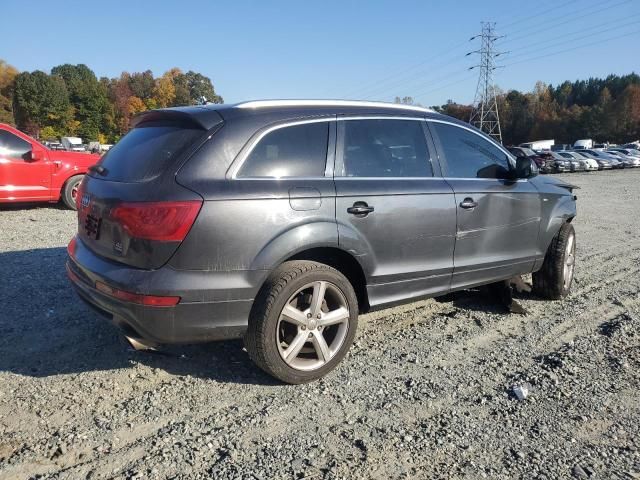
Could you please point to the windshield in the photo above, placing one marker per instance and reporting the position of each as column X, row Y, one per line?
column 566, row 155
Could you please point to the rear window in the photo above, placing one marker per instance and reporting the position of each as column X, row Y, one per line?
column 147, row 151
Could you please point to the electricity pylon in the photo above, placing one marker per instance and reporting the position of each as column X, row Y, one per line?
column 485, row 105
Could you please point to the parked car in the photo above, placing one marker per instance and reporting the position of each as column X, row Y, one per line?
column 279, row 221
column 615, row 162
column 589, row 163
column 627, row 161
column 522, row 152
column 552, row 164
column 632, row 155
column 575, row 164
column 30, row 172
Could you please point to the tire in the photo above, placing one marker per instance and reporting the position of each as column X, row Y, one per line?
column 272, row 335
column 69, row 191
column 553, row 280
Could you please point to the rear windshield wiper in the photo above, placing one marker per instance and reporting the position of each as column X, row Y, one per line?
column 99, row 169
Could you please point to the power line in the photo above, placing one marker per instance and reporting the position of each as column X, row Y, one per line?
column 372, row 88
column 375, row 86
column 573, row 48
column 589, row 35
column 563, row 22
column 407, row 80
column 529, row 17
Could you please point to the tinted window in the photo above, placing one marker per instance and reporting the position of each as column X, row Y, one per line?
column 147, row 151
column 566, row 155
column 469, row 155
column 385, row 148
column 296, row 151
column 12, row 146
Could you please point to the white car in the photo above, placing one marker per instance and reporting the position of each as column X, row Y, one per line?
column 590, row 163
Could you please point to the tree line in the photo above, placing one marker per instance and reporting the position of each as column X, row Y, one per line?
column 72, row 101
column 606, row 110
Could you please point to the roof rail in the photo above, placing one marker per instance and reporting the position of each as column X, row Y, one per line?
column 327, row 103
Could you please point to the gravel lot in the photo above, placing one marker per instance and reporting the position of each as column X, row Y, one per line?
column 424, row 393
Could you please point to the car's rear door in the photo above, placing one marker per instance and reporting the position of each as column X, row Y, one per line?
column 395, row 213
column 498, row 218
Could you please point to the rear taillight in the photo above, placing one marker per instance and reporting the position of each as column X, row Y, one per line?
column 159, row 221
column 79, row 194
column 148, row 300
column 71, row 248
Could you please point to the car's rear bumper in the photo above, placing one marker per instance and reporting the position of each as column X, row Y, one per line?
column 213, row 305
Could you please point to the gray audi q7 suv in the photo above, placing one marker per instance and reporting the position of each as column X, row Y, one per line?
column 280, row 221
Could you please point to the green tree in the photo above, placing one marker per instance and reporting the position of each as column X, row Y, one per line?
column 40, row 100
column 200, row 86
column 86, row 95
column 7, row 77
column 142, row 85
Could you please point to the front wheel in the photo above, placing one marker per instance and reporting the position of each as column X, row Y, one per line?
column 303, row 322
column 553, row 280
column 70, row 191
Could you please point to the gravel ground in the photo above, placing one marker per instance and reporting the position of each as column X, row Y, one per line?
column 426, row 392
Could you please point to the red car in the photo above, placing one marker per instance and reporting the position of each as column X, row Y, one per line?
column 30, row 172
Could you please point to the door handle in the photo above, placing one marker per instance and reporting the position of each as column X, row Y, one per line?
column 468, row 203
column 360, row 209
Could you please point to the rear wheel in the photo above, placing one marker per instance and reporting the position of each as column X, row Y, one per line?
column 553, row 280
column 303, row 322
column 70, row 191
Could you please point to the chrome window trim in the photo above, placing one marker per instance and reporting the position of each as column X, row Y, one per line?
column 389, row 178
column 379, row 117
column 239, row 162
column 480, row 134
column 489, row 140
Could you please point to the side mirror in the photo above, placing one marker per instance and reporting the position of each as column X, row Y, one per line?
column 35, row 155
column 525, row 168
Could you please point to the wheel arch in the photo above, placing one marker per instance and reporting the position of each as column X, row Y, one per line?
column 345, row 263
column 563, row 211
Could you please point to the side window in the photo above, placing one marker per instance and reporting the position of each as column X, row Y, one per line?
column 12, row 146
column 296, row 151
column 385, row 148
column 469, row 155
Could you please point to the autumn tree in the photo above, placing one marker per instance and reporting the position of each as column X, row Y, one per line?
column 165, row 90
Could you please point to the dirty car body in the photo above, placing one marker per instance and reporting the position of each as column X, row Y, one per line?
column 438, row 209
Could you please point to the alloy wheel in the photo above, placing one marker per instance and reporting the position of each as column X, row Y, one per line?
column 569, row 261
column 312, row 326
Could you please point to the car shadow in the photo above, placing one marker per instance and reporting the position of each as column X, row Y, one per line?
column 47, row 330
column 31, row 206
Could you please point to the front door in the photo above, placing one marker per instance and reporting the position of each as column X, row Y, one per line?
column 395, row 213
column 498, row 218
column 22, row 177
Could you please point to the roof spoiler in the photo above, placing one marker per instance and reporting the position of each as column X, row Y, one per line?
column 200, row 117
